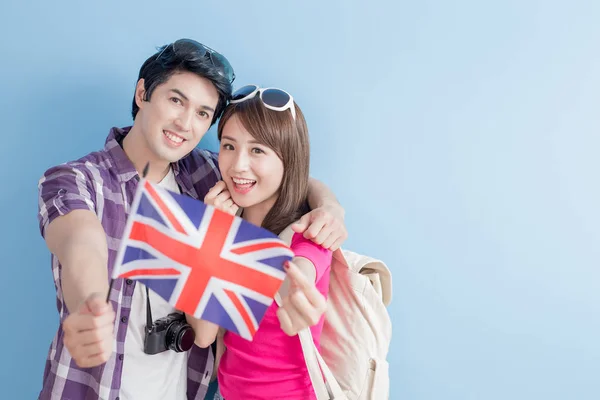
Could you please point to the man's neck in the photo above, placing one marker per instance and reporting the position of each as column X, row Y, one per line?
column 136, row 149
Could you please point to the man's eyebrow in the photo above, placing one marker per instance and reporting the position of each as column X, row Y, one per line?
column 207, row 108
column 179, row 92
column 204, row 107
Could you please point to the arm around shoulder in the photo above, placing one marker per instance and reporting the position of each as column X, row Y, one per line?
column 323, row 225
column 320, row 195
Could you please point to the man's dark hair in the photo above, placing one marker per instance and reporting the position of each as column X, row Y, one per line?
column 166, row 62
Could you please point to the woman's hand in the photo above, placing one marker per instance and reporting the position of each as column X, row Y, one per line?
column 303, row 305
column 219, row 197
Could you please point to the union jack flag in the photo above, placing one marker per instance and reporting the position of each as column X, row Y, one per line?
column 201, row 260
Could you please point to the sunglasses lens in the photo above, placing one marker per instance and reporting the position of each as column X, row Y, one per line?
column 275, row 97
column 189, row 46
column 243, row 92
column 221, row 62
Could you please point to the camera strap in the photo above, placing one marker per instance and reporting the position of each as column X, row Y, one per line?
column 149, row 319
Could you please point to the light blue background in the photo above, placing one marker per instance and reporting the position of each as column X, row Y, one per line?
column 461, row 137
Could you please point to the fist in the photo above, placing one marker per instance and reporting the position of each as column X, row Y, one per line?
column 89, row 332
column 219, row 197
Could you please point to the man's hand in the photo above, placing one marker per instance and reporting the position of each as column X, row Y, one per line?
column 89, row 332
column 324, row 226
column 219, row 197
column 303, row 305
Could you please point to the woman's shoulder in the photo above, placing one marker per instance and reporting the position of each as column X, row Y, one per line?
column 306, row 248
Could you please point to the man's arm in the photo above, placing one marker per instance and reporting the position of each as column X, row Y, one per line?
column 319, row 195
column 75, row 236
column 78, row 240
column 323, row 225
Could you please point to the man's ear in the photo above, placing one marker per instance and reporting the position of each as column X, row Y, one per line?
column 140, row 93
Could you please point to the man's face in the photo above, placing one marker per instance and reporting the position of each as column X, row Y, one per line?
column 177, row 115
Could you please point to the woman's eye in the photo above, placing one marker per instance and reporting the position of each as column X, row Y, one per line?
column 256, row 150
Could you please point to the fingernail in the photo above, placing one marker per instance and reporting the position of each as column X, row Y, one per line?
column 286, row 265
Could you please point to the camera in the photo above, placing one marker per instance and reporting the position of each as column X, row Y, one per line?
column 169, row 333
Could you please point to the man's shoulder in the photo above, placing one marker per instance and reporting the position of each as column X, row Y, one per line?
column 199, row 157
column 199, row 164
column 199, row 172
column 90, row 167
column 72, row 185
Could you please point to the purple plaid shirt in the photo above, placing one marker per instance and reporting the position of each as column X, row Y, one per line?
column 105, row 183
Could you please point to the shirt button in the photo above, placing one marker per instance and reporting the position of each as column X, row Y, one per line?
column 121, row 356
column 129, row 281
column 123, row 319
column 116, row 398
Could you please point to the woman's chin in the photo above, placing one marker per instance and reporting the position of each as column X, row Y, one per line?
column 240, row 200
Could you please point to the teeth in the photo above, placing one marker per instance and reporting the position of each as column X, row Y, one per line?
column 174, row 138
column 242, row 181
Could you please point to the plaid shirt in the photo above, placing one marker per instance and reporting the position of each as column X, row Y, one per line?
column 105, row 183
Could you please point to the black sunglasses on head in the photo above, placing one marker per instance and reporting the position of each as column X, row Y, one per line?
column 189, row 46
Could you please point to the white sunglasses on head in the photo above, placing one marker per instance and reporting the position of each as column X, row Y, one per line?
column 273, row 98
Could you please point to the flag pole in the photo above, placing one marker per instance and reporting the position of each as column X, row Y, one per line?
column 144, row 173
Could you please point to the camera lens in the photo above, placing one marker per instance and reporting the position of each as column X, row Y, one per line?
column 180, row 336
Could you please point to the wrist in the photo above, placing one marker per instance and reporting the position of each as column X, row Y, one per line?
column 334, row 207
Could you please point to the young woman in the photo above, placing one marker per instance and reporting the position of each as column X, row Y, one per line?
column 264, row 162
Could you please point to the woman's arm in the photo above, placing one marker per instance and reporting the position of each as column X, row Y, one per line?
column 302, row 304
column 306, row 267
column 204, row 331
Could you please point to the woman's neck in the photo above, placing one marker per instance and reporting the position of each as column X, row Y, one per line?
column 256, row 214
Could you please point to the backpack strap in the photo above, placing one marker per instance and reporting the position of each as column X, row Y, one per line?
column 375, row 270
column 324, row 383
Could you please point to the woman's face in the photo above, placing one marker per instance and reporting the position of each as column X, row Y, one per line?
column 251, row 171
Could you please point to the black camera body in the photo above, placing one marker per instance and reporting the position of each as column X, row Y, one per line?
column 169, row 333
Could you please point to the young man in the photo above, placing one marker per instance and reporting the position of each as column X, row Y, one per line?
column 98, row 351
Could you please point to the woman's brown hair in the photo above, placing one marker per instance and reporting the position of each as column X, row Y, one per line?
column 289, row 140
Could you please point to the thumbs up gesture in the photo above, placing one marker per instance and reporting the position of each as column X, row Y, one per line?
column 89, row 332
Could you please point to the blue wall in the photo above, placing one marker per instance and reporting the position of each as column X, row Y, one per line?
column 462, row 139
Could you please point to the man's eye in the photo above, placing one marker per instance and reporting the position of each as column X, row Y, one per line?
column 175, row 100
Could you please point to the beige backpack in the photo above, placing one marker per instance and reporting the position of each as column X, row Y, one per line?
column 356, row 333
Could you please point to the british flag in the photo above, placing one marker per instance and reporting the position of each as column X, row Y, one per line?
column 201, row 260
